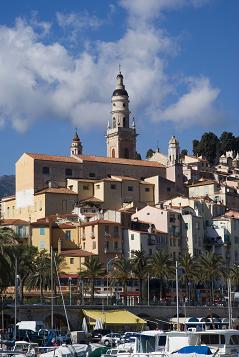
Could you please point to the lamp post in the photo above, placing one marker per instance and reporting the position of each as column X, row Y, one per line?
column 107, row 278
column 177, row 296
column 69, row 282
column 148, row 289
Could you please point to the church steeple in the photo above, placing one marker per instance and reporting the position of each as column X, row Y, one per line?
column 121, row 138
column 76, row 146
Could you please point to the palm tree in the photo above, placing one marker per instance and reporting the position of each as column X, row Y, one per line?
column 161, row 267
column 7, row 240
column 94, row 269
column 140, row 270
column 122, row 271
column 186, row 262
column 210, row 267
column 40, row 277
column 25, row 256
column 234, row 276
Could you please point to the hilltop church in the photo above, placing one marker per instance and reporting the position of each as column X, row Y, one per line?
column 48, row 184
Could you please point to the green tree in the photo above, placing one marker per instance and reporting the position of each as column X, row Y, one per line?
column 149, row 153
column 210, row 267
column 196, row 149
column 186, row 262
column 138, row 156
column 227, row 142
column 234, row 276
column 122, row 271
column 140, row 270
column 209, row 147
column 184, row 152
column 162, row 267
column 40, row 277
column 93, row 270
column 24, row 255
column 7, row 241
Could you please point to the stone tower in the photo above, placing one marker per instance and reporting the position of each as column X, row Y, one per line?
column 174, row 170
column 173, row 151
column 120, row 137
column 76, row 146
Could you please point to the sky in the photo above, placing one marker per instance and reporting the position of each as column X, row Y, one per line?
column 59, row 61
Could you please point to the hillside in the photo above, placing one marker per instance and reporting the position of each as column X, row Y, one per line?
column 7, row 185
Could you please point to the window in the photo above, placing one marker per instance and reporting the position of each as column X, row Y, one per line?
column 168, row 189
column 126, row 153
column 107, row 229
column 97, row 187
column 130, row 188
column 42, row 244
column 94, row 244
column 132, row 236
column 45, row 170
column 147, row 189
column 124, row 122
column 234, row 340
column 115, row 245
column 123, row 104
column 42, row 231
column 113, row 186
column 114, row 104
column 186, row 226
column 85, row 188
column 114, row 123
column 84, row 245
column 71, row 260
column 91, row 174
column 116, row 230
column 113, row 153
column 68, row 235
column 68, row 172
column 150, row 252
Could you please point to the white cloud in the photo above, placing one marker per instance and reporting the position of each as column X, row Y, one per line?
column 39, row 80
column 194, row 107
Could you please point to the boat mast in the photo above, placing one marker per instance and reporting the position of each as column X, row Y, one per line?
column 177, row 295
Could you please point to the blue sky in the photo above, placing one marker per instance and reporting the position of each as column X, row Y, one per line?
column 59, row 59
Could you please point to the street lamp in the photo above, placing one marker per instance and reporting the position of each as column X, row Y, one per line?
column 107, row 278
column 69, row 282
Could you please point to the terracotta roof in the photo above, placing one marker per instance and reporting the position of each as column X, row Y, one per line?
column 62, row 190
column 203, row 183
column 8, row 198
column 111, row 160
column 76, row 253
column 13, row 222
column 98, row 221
column 66, row 225
column 91, row 199
column 93, row 158
column 46, row 157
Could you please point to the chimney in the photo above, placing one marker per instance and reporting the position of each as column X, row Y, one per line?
column 59, row 246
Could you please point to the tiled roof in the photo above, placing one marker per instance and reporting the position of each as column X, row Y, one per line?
column 92, row 158
column 98, row 221
column 91, row 199
column 111, row 160
column 13, row 222
column 203, row 183
column 76, row 253
column 62, row 190
column 46, row 157
column 8, row 198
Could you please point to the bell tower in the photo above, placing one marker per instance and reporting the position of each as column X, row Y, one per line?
column 120, row 136
column 76, row 146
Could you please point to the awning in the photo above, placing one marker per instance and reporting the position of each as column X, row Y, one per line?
column 113, row 317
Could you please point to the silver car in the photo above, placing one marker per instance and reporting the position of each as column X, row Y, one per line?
column 111, row 339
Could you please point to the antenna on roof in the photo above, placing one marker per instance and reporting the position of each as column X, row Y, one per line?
column 119, row 68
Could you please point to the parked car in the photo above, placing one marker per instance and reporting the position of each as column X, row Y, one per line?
column 96, row 335
column 111, row 339
column 127, row 336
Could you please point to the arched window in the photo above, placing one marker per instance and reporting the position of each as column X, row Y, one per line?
column 113, row 153
column 114, row 123
column 126, row 153
column 124, row 122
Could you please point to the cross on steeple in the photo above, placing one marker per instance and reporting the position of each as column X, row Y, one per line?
column 119, row 68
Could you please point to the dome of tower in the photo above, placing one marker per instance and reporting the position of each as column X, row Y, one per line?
column 120, row 91
column 173, row 140
column 76, row 137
